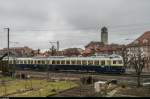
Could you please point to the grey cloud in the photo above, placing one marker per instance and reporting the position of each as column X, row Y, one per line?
column 73, row 22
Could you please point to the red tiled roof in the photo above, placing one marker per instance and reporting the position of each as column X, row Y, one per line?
column 94, row 43
column 140, row 40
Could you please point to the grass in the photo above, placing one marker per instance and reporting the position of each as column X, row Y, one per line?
column 39, row 88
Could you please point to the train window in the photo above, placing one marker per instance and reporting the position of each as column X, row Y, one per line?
column 43, row 62
column 25, row 62
column 114, row 62
column 38, row 62
column 29, row 62
column 53, row 62
column 102, row 62
column 14, row 61
column 84, row 62
column 10, row 61
column 90, row 62
column 78, row 62
column 63, row 62
column 68, row 62
column 96, row 62
column 20, row 61
column 120, row 62
column 17, row 61
column 57, row 62
column 35, row 61
column 73, row 62
column 46, row 62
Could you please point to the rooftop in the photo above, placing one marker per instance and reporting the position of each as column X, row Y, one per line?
column 144, row 39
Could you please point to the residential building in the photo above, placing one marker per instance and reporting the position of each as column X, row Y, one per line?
column 101, row 48
column 142, row 42
column 18, row 51
column 72, row 52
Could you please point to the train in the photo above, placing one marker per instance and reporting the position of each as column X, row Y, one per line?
column 96, row 63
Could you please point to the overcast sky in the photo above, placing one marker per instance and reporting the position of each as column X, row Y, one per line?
column 74, row 23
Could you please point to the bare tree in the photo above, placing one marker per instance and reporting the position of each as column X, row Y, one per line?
column 32, row 53
column 125, row 56
column 138, row 61
column 38, row 51
column 53, row 51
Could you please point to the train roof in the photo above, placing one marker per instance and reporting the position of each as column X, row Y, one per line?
column 94, row 57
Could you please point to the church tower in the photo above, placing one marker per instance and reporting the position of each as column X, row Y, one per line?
column 104, row 35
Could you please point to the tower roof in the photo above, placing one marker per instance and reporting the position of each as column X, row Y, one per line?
column 103, row 29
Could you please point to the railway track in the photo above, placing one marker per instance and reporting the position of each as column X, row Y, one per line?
column 131, row 79
column 79, row 74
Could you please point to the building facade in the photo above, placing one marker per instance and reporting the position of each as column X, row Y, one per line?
column 101, row 48
column 18, row 51
column 142, row 43
column 72, row 52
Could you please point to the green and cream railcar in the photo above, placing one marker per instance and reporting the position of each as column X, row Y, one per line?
column 103, row 64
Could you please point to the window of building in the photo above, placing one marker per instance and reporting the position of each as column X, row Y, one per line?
column 145, row 41
column 136, row 42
